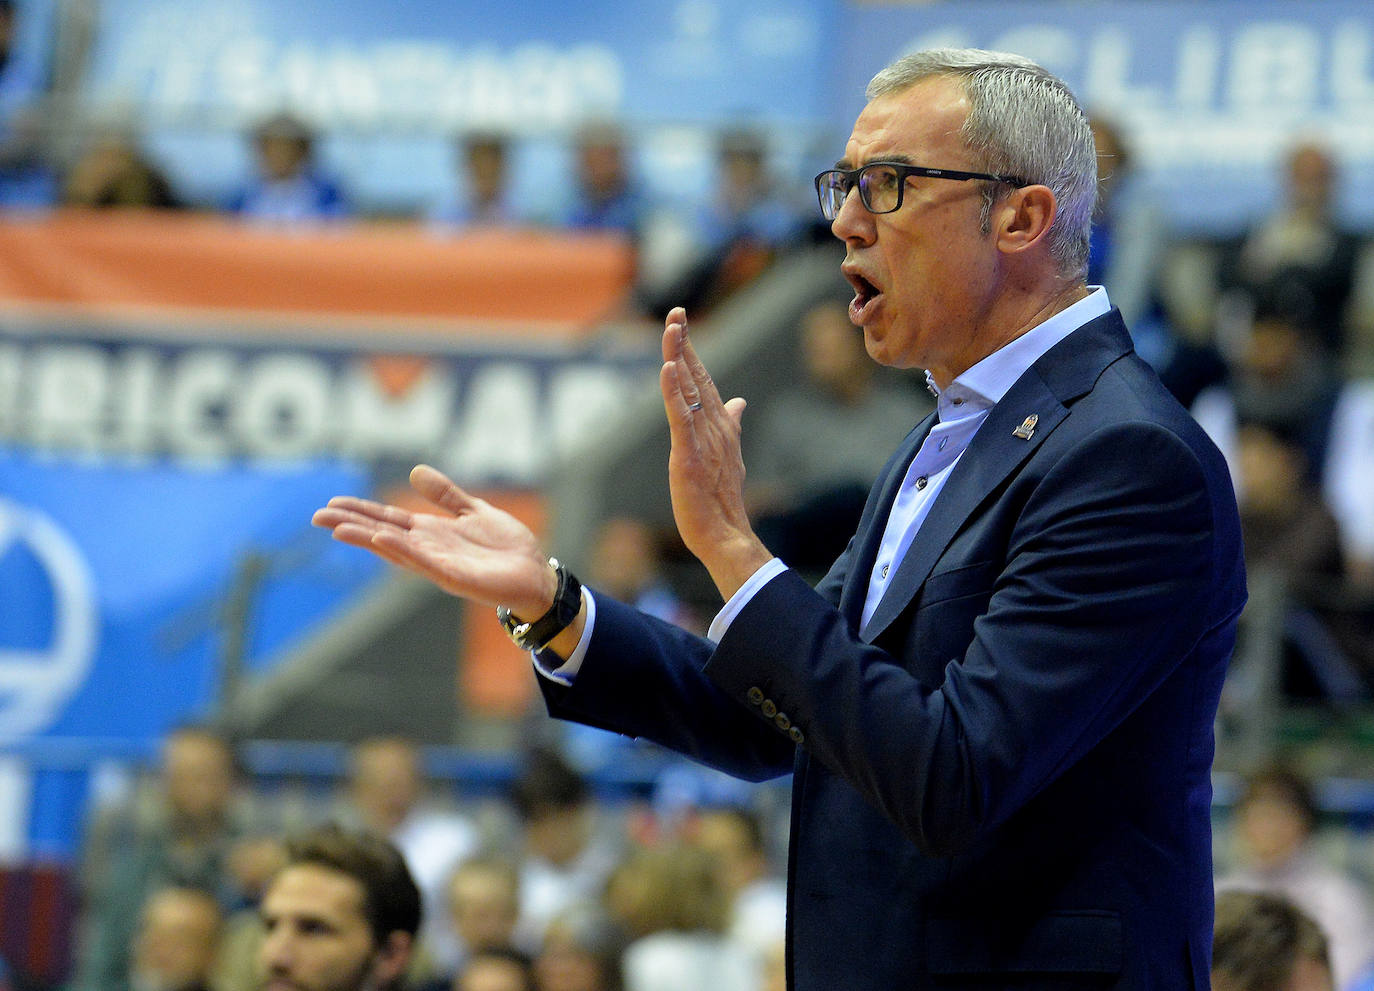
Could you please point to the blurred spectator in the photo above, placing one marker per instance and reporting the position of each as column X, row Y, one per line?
column 1286, row 526
column 581, row 952
column 1275, row 824
column 565, row 862
column 484, row 199
column 1129, row 234
column 627, row 563
column 386, row 796
column 1282, row 377
column 496, row 969
column 1263, row 942
column 1278, row 376
column 112, row 172
column 750, row 205
column 749, row 219
column 183, row 833
column 1301, row 242
column 1130, row 238
column 814, row 450
column 775, row 968
column 484, row 904
column 27, row 179
column 757, row 895
column 255, row 862
column 673, row 906
column 341, row 916
column 177, row 941
column 1349, row 476
column 1292, row 538
column 289, row 187
column 607, row 199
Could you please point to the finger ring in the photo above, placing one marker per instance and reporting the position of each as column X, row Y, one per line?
column 693, row 407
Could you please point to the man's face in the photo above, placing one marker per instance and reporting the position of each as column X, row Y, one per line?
column 924, row 275
column 1272, row 828
column 198, row 774
column 386, row 782
column 727, row 840
column 316, row 935
column 492, row 974
column 176, row 941
column 484, row 908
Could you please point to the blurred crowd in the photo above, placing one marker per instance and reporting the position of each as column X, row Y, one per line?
column 544, row 886
column 193, row 881
column 690, row 253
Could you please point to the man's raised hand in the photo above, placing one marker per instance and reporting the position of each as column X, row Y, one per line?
column 471, row 549
column 705, row 467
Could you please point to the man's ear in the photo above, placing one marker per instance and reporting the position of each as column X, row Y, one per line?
column 391, row 959
column 1022, row 220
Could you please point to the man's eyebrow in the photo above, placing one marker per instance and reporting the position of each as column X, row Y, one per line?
column 844, row 165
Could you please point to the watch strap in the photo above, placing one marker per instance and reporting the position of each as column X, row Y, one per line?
column 567, row 603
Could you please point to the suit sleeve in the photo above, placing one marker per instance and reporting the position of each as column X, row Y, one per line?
column 643, row 677
column 1105, row 588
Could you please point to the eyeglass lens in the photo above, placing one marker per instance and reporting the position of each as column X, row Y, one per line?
column 880, row 190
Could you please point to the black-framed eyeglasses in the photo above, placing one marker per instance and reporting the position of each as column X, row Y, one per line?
column 881, row 184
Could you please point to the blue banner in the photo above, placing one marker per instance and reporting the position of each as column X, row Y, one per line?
column 146, row 485
column 1209, row 94
column 116, row 579
column 443, row 66
column 389, row 85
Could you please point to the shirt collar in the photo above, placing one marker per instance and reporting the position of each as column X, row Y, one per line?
column 983, row 385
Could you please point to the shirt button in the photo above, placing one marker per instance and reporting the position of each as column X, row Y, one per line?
column 885, row 567
column 958, row 402
column 944, row 442
column 770, row 708
column 782, row 722
column 754, row 695
column 921, row 482
column 796, row 736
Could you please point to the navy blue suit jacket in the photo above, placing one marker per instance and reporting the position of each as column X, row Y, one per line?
column 1003, row 780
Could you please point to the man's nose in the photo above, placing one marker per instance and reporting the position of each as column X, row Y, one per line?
column 274, row 956
column 854, row 221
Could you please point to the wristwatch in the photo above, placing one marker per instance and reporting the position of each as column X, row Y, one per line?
column 567, row 602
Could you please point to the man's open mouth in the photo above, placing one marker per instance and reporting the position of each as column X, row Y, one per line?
column 865, row 296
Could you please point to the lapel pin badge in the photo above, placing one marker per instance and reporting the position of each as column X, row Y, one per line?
column 1027, row 428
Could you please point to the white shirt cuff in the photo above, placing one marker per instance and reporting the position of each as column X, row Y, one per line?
column 741, row 598
column 567, row 670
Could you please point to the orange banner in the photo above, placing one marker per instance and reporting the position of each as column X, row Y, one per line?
column 161, row 266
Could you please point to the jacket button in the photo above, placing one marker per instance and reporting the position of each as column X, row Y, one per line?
column 770, row 708
column 796, row 735
column 782, row 722
column 754, row 695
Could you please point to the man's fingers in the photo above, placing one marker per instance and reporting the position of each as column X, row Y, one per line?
column 676, row 405
column 394, row 547
column 357, row 534
column 340, row 508
column 687, row 386
column 439, row 489
column 702, row 383
column 697, row 384
column 674, row 330
column 735, row 408
column 674, row 357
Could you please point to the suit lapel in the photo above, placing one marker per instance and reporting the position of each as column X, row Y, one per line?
column 999, row 448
